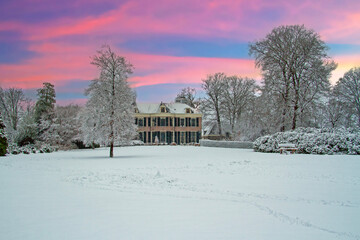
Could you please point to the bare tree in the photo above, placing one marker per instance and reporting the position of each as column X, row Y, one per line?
column 335, row 112
column 348, row 89
column 108, row 117
column 213, row 86
column 295, row 66
column 238, row 93
column 188, row 96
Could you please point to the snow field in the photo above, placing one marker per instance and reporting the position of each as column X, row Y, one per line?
column 177, row 192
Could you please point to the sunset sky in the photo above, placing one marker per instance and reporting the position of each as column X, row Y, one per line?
column 171, row 43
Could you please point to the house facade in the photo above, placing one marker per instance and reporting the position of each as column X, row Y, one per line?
column 168, row 123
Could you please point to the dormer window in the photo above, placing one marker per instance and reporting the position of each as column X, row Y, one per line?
column 163, row 109
column 136, row 110
column 188, row 110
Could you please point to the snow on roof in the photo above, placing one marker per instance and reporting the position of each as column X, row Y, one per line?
column 148, row 107
column 155, row 107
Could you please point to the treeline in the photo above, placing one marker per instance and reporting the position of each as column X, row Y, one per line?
column 107, row 118
column 40, row 125
column 295, row 90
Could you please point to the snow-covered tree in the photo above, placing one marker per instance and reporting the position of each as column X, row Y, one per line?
column 348, row 90
column 108, row 117
column 213, row 86
column 12, row 101
column 295, row 67
column 27, row 131
column 64, row 128
column 238, row 94
column 3, row 139
column 45, row 104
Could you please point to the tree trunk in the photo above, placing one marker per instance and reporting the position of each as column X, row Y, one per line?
column 296, row 107
column 294, row 117
column 218, row 121
column 112, row 149
column 112, row 117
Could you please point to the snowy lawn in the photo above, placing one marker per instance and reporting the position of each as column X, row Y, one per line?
column 176, row 192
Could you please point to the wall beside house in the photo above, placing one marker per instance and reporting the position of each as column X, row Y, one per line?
column 226, row 144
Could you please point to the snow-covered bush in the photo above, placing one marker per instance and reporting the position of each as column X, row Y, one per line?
column 30, row 148
column 313, row 141
column 47, row 149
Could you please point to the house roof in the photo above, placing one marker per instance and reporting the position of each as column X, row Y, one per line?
column 177, row 108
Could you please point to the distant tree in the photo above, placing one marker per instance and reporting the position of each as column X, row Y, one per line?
column 3, row 139
column 348, row 90
column 188, row 96
column 238, row 94
column 295, row 67
column 213, row 86
column 45, row 104
column 108, row 117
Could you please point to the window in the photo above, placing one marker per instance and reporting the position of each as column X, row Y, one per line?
column 162, row 137
column 141, row 122
column 182, row 122
column 193, row 122
column 163, row 110
column 192, row 136
column 162, row 122
column 182, row 137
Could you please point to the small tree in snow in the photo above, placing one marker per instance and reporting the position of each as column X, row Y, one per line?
column 108, row 117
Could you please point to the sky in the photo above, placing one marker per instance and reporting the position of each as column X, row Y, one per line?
column 171, row 43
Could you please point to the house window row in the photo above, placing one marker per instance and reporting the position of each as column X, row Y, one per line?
column 169, row 137
column 167, row 122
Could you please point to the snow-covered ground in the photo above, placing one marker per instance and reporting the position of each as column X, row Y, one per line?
column 177, row 192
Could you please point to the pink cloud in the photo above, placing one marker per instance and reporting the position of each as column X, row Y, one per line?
column 233, row 19
column 57, row 63
column 187, row 69
column 62, row 63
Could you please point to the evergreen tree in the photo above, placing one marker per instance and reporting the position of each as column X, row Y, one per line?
column 45, row 105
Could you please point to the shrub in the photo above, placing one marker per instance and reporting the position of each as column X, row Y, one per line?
column 313, row 141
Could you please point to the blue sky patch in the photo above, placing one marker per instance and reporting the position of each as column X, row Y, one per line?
column 181, row 47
